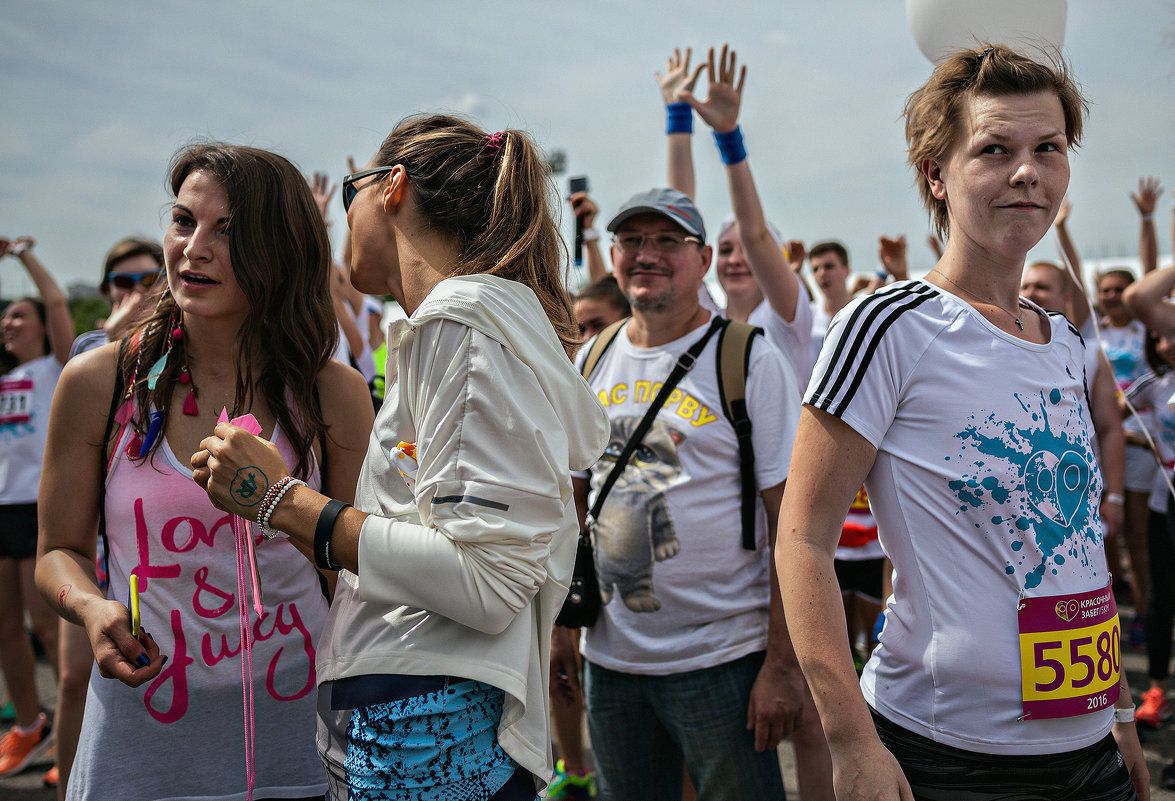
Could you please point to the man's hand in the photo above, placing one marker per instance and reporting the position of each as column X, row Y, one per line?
column 1147, row 196
column 564, row 666
column 677, row 80
column 724, row 96
column 777, row 701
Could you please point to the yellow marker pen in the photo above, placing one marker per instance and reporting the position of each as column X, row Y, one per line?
column 136, row 621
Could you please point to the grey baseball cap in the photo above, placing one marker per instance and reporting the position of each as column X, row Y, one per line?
column 666, row 202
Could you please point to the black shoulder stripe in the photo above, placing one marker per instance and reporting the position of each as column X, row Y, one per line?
column 863, row 332
column 471, row 499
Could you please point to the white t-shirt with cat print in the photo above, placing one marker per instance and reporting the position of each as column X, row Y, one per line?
column 681, row 593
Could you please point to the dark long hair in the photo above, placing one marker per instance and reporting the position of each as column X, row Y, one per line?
column 281, row 259
column 491, row 194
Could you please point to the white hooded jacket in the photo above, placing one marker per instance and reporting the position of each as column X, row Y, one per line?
column 464, row 566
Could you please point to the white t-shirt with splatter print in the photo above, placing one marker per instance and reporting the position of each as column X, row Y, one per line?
column 984, row 488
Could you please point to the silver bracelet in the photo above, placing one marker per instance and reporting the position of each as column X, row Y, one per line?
column 1113, row 497
column 287, row 482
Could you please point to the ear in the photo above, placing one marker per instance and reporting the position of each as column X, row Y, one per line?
column 395, row 190
column 932, row 171
column 706, row 253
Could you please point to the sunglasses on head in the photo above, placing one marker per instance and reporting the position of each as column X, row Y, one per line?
column 128, row 280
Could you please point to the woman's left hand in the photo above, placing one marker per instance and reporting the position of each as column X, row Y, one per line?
column 235, row 468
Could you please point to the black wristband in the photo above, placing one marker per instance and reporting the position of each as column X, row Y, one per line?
column 323, row 532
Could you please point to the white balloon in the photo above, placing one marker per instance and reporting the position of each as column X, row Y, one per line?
column 942, row 26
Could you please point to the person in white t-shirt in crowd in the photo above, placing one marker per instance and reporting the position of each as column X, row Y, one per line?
column 35, row 334
column 1049, row 286
column 1155, row 389
column 963, row 409
column 760, row 286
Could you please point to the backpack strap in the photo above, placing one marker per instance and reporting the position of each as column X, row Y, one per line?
column 115, row 397
column 734, row 359
column 602, row 342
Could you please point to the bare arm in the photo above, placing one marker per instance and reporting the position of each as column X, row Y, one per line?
column 1107, row 423
column 1146, row 299
column 830, row 462
column 58, row 323
column 720, row 110
column 1145, row 201
column 777, row 697
column 68, row 518
column 677, row 80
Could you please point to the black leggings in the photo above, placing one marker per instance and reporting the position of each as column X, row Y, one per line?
column 938, row 772
column 1160, row 605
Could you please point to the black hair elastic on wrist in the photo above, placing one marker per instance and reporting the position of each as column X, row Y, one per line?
column 323, row 532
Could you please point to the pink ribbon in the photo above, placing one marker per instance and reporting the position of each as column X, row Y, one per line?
column 246, row 575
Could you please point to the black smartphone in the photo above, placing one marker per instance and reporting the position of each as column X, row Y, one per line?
column 579, row 183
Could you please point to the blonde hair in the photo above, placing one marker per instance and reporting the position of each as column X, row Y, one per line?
column 933, row 112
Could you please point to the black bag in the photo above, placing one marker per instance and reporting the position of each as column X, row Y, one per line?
column 582, row 606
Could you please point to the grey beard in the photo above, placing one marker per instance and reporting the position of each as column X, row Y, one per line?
column 656, row 304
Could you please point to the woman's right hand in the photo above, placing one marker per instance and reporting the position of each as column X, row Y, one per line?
column 118, row 654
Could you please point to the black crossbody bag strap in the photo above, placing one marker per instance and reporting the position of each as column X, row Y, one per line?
column 684, row 364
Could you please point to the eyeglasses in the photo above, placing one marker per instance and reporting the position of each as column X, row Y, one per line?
column 128, row 280
column 662, row 243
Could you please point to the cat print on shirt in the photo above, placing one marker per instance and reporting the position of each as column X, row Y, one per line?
column 634, row 528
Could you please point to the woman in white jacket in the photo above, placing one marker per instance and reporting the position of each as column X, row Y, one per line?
column 458, row 555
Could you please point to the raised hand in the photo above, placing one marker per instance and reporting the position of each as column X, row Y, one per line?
column 323, row 190
column 1147, row 196
column 678, row 79
column 1063, row 212
column 795, row 253
column 892, row 253
column 583, row 206
column 724, row 95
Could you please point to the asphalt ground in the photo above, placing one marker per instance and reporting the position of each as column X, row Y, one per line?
column 1159, row 745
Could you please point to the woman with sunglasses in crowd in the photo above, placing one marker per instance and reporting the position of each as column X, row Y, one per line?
column 130, row 281
column 245, row 325
column 457, row 558
column 36, row 332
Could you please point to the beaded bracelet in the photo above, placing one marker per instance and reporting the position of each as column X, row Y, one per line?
column 267, row 498
column 269, row 505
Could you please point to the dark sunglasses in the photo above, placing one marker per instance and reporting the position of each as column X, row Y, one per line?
column 128, row 280
column 350, row 190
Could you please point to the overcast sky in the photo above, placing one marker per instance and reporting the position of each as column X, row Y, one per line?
column 97, row 97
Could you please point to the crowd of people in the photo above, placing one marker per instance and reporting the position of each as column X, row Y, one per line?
column 889, row 520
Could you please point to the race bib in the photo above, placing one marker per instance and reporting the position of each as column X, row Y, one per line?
column 16, row 400
column 1070, row 662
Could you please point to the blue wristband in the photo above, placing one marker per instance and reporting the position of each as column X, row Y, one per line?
column 730, row 146
column 680, row 118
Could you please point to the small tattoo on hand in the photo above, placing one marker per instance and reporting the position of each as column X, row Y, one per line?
column 249, row 486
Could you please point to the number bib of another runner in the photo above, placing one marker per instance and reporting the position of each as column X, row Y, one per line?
column 1070, row 663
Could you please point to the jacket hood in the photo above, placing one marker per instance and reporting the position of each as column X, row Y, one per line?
column 510, row 313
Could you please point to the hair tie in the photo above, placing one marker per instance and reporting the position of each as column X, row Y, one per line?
column 493, row 143
column 986, row 50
